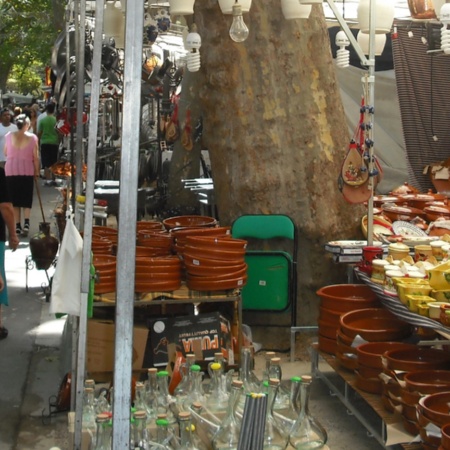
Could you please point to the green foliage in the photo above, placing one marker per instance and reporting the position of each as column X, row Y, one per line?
column 27, row 34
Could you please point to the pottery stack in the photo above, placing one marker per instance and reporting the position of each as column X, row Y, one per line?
column 336, row 300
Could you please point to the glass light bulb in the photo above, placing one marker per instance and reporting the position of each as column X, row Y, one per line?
column 238, row 30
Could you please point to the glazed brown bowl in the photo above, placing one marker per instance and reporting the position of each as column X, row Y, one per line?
column 346, row 340
column 427, row 381
column 104, row 262
column 445, row 438
column 343, row 348
column 370, row 385
column 142, row 250
column 347, row 362
column 347, row 297
column 210, row 262
column 189, row 221
column 410, row 426
column 226, row 276
column 417, row 359
column 327, row 345
column 409, row 412
column 226, row 243
column 180, row 235
column 368, row 372
column 435, row 407
column 410, row 398
column 327, row 329
column 429, row 440
column 380, row 200
column 436, row 212
column 221, row 285
column 213, row 253
column 374, row 324
column 419, row 201
column 330, row 316
column 370, row 354
column 159, row 261
column 207, row 271
column 149, row 225
column 142, row 278
column 406, row 213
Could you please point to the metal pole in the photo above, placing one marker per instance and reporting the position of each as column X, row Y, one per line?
column 127, row 224
column 88, row 215
column 79, row 156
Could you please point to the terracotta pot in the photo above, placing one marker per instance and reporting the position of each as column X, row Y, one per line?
column 149, row 225
column 417, row 359
column 428, row 381
column 434, row 408
column 436, row 212
column 406, row 213
column 380, row 200
column 216, row 243
column 347, row 297
column 210, row 262
column 143, row 278
column 445, row 439
column 368, row 372
column 189, row 221
column 370, row 354
column 206, row 271
column 142, row 250
column 217, row 285
column 327, row 329
column 330, row 316
column 43, row 247
column 419, row 201
column 327, row 345
column 212, row 253
column 226, row 276
column 346, row 362
column 370, row 385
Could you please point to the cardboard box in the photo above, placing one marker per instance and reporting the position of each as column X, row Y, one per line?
column 100, row 347
column 202, row 334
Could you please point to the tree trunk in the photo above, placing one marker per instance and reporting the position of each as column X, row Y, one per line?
column 276, row 132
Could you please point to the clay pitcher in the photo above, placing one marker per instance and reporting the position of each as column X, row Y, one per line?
column 43, row 247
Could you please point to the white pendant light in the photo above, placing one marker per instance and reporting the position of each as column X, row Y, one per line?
column 114, row 24
column 192, row 44
column 342, row 55
column 226, row 6
column 384, row 15
column 363, row 41
column 293, row 9
column 445, row 32
column 181, row 7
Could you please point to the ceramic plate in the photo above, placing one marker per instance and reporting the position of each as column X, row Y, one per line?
column 407, row 229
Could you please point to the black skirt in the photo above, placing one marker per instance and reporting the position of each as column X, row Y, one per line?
column 20, row 189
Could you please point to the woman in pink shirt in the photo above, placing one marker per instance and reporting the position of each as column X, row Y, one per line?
column 22, row 165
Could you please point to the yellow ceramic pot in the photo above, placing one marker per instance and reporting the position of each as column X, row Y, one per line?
column 413, row 301
column 439, row 276
column 441, row 296
column 420, row 287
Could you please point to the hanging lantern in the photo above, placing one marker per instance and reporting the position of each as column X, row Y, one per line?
column 384, row 16
column 226, row 6
column 292, row 9
column 114, row 24
column 181, row 7
column 363, row 41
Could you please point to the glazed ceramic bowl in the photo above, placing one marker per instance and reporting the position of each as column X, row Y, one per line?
column 330, row 316
column 374, row 324
column 419, row 201
column 346, row 361
column 226, row 276
column 326, row 345
column 436, row 212
column 347, row 297
column 189, row 221
column 370, row 385
column 368, row 372
column 380, row 200
column 218, row 285
column 210, row 262
column 104, row 262
column 218, row 243
column 327, row 329
column 406, row 213
column 370, row 354
column 213, row 253
column 149, row 225
column 445, row 438
column 439, row 276
column 212, row 271
column 434, row 407
column 417, row 359
column 427, row 381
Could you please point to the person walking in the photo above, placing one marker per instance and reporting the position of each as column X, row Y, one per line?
column 6, row 126
column 49, row 142
column 22, row 166
column 6, row 221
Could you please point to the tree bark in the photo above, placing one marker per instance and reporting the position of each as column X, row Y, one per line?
column 276, row 132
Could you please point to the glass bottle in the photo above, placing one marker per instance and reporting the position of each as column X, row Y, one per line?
column 103, row 433
column 140, row 434
column 274, row 436
column 217, row 399
column 88, row 414
column 268, row 356
column 188, row 439
column 275, row 372
column 206, row 424
column 287, row 416
column 140, row 401
column 250, row 380
column 163, row 437
column 196, row 394
column 227, row 436
column 163, row 399
column 218, row 358
column 102, row 405
column 307, row 432
column 185, row 385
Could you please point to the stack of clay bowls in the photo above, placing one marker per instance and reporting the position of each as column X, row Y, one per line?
column 401, row 361
column 154, row 225
column 369, row 364
column 336, row 300
column 416, row 385
column 173, row 223
column 445, row 437
column 215, row 263
column 370, row 324
column 433, row 413
column 105, row 274
column 181, row 234
column 156, row 274
column 158, row 242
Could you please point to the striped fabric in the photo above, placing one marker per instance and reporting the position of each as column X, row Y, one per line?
column 423, row 86
column 396, row 307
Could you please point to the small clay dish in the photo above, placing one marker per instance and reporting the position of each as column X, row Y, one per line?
column 371, row 385
column 213, row 253
column 435, row 407
column 226, row 276
column 347, row 297
column 374, row 324
column 445, row 439
column 327, row 329
column 368, row 372
column 410, row 427
column 149, row 225
column 221, row 285
column 428, row 381
column 189, row 221
column 346, row 361
column 410, row 398
column 419, row 358
column 409, row 412
column 210, row 262
column 193, row 269
column 370, row 354
column 330, row 316
column 344, row 338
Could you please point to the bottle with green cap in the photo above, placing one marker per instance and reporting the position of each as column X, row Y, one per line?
column 185, row 385
column 103, row 435
column 164, row 401
column 196, row 394
column 163, row 437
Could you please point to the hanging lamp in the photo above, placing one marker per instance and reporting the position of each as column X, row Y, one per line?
column 384, row 15
column 363, row 41
column 445, row 32
column 192, row 44
column 238, row 31
column 293, row 9
column 342, row 55
column 181, row 7
column 226, row 6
